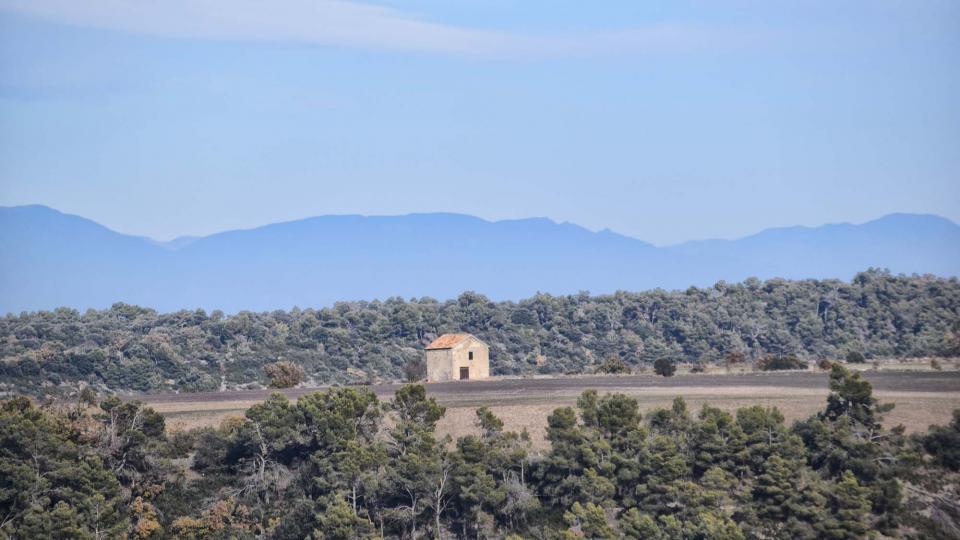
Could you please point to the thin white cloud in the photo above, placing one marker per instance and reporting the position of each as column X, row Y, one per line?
column 353, row 25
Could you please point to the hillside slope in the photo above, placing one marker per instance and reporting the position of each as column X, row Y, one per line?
column 50, row 259
column 132, row 348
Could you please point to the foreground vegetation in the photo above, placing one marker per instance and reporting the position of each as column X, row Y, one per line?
column 133, row 348
column 341, row 464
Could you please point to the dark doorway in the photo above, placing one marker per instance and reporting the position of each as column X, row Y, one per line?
column 464, row 373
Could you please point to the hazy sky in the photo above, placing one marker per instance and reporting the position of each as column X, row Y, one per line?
column 665, row 120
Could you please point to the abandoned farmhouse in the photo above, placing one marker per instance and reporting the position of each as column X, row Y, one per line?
column 453, row 357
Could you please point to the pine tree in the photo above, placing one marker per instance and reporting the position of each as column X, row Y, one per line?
column 590, row 520
column 420, row 465
column 849, row 505
column 50, row 487
column 337, row 521
column 786, row 503
column 639, row 526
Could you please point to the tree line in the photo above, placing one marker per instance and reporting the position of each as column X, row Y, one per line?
column 135, row 348
column 341, row 464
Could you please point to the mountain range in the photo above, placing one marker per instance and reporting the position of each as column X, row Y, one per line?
column 50, row 259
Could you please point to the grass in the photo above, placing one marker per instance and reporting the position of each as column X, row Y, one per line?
column 915, row 410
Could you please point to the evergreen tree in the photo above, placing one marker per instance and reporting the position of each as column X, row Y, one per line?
column 786, row 502
column 420, row 465
column 943, row 443
column 590, row 521
column 849, row 505
column 51, row 486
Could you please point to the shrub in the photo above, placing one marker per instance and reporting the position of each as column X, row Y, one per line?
column 943, row 443
column 614, row 365
column 825, row 364
column 284, row 374
column 855, row 357
column 698, row 368
column 934, row 364
column 664, row 367
column 735, row 357
column 781, row 363
column 415, row 370
column 87, row 396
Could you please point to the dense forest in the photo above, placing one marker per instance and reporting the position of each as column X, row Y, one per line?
column 343, row 465
column 134, row 348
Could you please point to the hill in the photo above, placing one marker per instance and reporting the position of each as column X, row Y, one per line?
column 51, row 259
column 133, row 348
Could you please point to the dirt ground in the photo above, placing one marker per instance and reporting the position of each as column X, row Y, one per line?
column 915, row 410
column 922, row 397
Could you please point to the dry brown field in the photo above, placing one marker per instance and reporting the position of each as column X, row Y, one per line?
column 922, row 397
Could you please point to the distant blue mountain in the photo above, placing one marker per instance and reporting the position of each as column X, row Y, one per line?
column 50, row 259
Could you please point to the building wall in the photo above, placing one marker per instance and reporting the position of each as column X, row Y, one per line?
column 439, row 362
column 445, row 364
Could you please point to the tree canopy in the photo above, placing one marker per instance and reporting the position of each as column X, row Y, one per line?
column 134, row 348
column 341, row 464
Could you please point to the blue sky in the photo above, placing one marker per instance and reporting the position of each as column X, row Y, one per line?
column 666, row 121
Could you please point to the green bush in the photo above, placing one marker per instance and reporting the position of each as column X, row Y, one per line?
column 943, row 443
column 415, row 370
column 284, row 374
column 855, row 357
column 781, row 363
column 614, row 365
column 664, row 367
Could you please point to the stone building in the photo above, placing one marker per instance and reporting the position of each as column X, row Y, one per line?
column 453, row 357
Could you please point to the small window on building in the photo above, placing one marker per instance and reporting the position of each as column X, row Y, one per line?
column 470, row 355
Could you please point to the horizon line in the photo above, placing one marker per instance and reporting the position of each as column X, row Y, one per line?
column 166, row 243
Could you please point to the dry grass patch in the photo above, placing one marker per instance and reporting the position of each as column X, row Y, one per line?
column 915, row 410
column 529, row 409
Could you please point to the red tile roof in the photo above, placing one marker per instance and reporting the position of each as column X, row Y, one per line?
column 447, row 341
